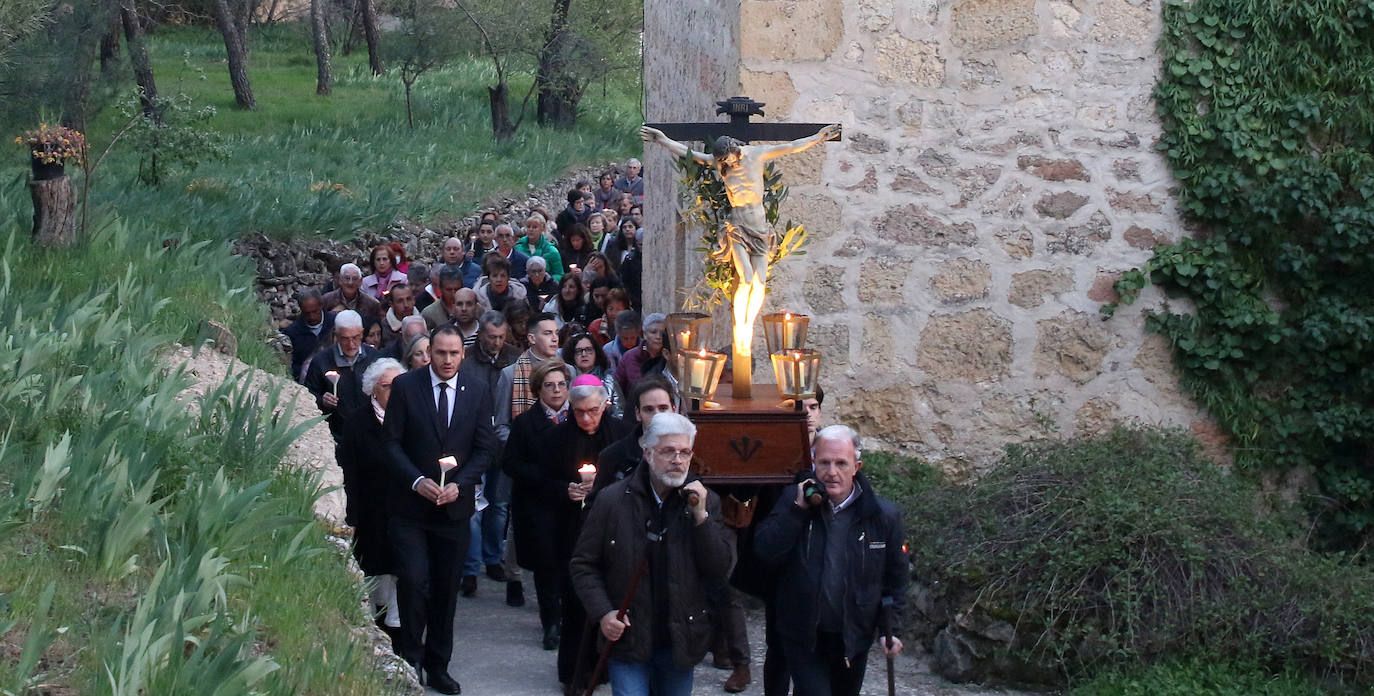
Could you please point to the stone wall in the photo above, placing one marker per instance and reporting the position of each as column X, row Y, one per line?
column 996, row 175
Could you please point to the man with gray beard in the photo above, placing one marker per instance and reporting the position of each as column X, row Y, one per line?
column 657, row 524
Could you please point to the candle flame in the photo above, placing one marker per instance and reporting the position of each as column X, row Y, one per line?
column 587, row 468
column 787, row 316
column 703, row 352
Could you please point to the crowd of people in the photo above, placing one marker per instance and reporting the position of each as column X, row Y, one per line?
column 507, row 410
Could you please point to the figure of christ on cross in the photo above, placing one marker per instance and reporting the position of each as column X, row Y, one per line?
column 747, row 239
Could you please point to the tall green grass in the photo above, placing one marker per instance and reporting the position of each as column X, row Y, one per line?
column 304, row 164
column 153, row 548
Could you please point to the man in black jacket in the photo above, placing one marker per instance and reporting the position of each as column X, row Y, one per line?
column 312, row 328
column 647, row 524
column 434, row 413
column 841, row 565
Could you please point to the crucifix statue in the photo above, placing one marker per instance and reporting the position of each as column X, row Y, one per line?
column 747, row 239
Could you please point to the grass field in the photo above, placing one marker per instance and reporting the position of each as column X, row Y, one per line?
column 303, row 164
column 153, row 551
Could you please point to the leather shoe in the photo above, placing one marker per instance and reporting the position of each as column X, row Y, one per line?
column 515, row 594
column 443, row 683
column 551, row 636
column 497, row 573
column 739, row 680
column 468, row 587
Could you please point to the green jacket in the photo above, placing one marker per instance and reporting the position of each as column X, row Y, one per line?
column 546, row 249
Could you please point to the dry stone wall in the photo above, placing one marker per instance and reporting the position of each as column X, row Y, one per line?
column 996, row 175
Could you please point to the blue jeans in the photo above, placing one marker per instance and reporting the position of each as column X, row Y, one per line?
column 659, row 677
column 488, row 527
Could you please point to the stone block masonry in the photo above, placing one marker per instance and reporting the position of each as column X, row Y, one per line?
column 996, row 176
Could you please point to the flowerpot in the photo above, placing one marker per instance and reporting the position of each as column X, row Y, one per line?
column 43, row 171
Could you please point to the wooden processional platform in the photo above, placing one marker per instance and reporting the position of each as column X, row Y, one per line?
column 750, row 441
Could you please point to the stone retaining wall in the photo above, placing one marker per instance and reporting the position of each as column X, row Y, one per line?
column 996, row 175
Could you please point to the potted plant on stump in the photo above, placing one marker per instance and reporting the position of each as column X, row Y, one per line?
column 54, row 206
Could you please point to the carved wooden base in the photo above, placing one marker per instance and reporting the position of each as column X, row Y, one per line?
column 750, row 441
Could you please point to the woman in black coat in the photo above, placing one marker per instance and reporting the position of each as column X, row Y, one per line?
column 541, row 511
column 363, row 461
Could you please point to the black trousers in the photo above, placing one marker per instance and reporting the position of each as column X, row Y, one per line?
column 776, row 680
column 429, row 558
column 574, row 633
column 824, row 672
column 548, row 589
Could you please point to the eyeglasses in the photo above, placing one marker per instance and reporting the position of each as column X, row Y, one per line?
column 555, row 385
column 674, row 454
column 585, row 350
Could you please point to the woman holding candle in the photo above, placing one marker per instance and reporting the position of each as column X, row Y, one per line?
column 365, row 479
column 582, row 352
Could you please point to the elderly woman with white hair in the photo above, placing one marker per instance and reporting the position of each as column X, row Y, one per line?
column 363, row 460
column 550, row 481
column 539, row 285
column 646, row 359
column 658, row 513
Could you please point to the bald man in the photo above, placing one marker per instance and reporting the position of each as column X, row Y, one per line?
column 465, row 318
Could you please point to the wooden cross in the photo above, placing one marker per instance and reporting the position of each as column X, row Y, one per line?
column 739, row 109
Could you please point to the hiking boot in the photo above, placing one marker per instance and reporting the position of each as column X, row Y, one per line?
column 739, row 680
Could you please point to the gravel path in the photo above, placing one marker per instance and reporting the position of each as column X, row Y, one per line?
column 497, row 653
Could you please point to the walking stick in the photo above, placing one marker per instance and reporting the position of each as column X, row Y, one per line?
column 886, row 618
column 619, row 616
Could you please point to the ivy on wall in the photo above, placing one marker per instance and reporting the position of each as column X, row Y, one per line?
column 1268, row 115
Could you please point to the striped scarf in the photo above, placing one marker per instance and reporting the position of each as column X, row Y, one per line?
column 521, row 396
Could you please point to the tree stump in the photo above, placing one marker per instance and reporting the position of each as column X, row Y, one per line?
column 54, row 211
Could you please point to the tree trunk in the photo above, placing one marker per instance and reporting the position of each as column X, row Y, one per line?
column 323, row 78
column 109, row 49
column 374, row 54
column 54, row 211
column 410, row 115
column 354, row 26
column 558, row 91
column 138, row 57
column 233, row 47
column 243, row 18
column 501, row 126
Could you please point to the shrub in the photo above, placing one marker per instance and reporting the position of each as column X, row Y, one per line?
column 1198, row 676
column 1121, row 548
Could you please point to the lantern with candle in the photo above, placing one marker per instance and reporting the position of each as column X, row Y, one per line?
column 785, row 331
column 798, row 371
column 689, row 331
column 698, row 374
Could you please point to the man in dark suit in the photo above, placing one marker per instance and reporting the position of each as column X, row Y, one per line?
column 435, row 412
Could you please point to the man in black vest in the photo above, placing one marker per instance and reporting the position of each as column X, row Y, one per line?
column 435, row 413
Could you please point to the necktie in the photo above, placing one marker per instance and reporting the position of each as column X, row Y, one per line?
column 441, row 416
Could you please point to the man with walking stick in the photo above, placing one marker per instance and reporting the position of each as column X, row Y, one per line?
column 649, row 545
column 838, row 546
